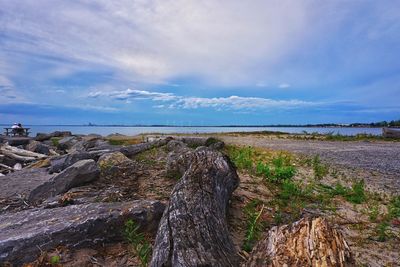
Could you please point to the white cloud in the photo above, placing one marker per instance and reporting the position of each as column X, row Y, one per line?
column 284, row 85
column 217, row 103
column 156, row 40
column 134, row 94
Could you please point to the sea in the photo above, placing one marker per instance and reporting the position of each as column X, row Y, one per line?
column 135, row 130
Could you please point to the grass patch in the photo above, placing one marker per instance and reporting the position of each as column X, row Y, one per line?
column 119, row 141
column 253, row 211
column 138, row 241
column 55, row 141
column 320, row 169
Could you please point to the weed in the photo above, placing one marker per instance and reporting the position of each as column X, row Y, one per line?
column 320, row 170
column 373, row 212
column 382, row 231
column 55, row 141
column 141, row 246
column 357, row 194
column 55, row 259
column 394, row 208
column 254, row 227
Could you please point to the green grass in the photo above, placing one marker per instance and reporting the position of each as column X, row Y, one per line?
column 320, row 169
column 138, row 241
column 394, row 208
column 382, row 231
column 356, row 194
column 55, row 141
column 254, row 227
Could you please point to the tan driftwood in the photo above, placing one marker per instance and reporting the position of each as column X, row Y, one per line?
column 307, row 242
column 6, row 167
column 20, row 154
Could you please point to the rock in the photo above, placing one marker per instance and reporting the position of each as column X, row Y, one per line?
column 24, row 234
column 17, row 167
column 89, row 142
column 117, row 165
column 60, row 163
column 18, row 140
column 193, row 230
column 80, row 173
column 176, row 146
column 19, row 184
column 38, row 147
column 45, row 136
column 67, row 142
column 217, row 145
column 111, row 159
column 307, row 242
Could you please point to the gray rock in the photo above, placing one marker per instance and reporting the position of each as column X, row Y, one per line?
column 24, row 234
column 80, row 173
column 217, row 145
column 60, row 163
column 45, row 136
column 38, row 147
column 67, row 142
column 19, row 184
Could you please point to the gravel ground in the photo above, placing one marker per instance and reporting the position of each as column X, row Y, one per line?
column 380, row 160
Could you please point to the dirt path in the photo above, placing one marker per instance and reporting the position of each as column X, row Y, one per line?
column 378, row 159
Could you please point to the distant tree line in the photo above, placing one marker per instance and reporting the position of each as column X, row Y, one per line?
column 393, row 123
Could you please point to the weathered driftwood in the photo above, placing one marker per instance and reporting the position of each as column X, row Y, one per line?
column 390, row 133
column 20, row 154
column 193, row 230
column 307, row 242
column 179, row 158
column 6, row 167
column 132, row 150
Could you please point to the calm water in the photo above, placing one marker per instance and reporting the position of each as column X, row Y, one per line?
column 138, row 130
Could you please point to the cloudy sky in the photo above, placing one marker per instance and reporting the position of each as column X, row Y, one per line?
column 199, row 62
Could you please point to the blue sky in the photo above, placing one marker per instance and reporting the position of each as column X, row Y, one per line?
column 199, row 62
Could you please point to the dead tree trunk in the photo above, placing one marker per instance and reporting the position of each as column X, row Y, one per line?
column 193, row 230
column 307, row 242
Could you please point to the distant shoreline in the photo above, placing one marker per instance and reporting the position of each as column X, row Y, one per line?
column 212, row 126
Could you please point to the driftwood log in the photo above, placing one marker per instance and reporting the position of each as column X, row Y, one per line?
column 193, row 230
column 20, row 154
column 307, row 242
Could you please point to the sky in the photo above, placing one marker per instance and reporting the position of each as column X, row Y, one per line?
column 209, row 62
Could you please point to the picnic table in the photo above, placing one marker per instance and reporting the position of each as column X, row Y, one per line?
column 16, row 131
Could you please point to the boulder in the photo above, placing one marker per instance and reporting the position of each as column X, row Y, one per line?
column 79, row 173
column 45, row 136
column 117, row 165
column 24, row 234
column 38, row 147
column 60, row 163
column 17, row 185
column 217, row 145
column 110, row 159
column 67, row 142
column 88, row 142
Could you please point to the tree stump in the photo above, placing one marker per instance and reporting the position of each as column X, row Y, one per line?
column 307, row 242
column 193, row 230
